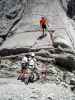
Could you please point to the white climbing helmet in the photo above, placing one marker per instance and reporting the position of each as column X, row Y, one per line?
column 32, row 54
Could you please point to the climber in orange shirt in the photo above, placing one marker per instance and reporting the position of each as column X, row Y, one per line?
column 43, row 24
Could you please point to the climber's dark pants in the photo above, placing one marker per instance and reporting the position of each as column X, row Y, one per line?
column 44, row 28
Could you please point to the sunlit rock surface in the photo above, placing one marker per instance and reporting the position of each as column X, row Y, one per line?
column 24, row 17
column 35, row 91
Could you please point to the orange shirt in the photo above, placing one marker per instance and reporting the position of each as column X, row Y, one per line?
column 43, row 21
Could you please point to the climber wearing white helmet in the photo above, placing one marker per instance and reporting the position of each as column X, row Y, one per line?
column 24, row 63
column 25, row 72
column 32, row 54
column 32, row 61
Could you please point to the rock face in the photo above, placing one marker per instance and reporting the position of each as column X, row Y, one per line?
column 22, row 16
column 69, row 6
column 35, row 91
column 10, row 13
column 55, row 88
column 18, row 20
